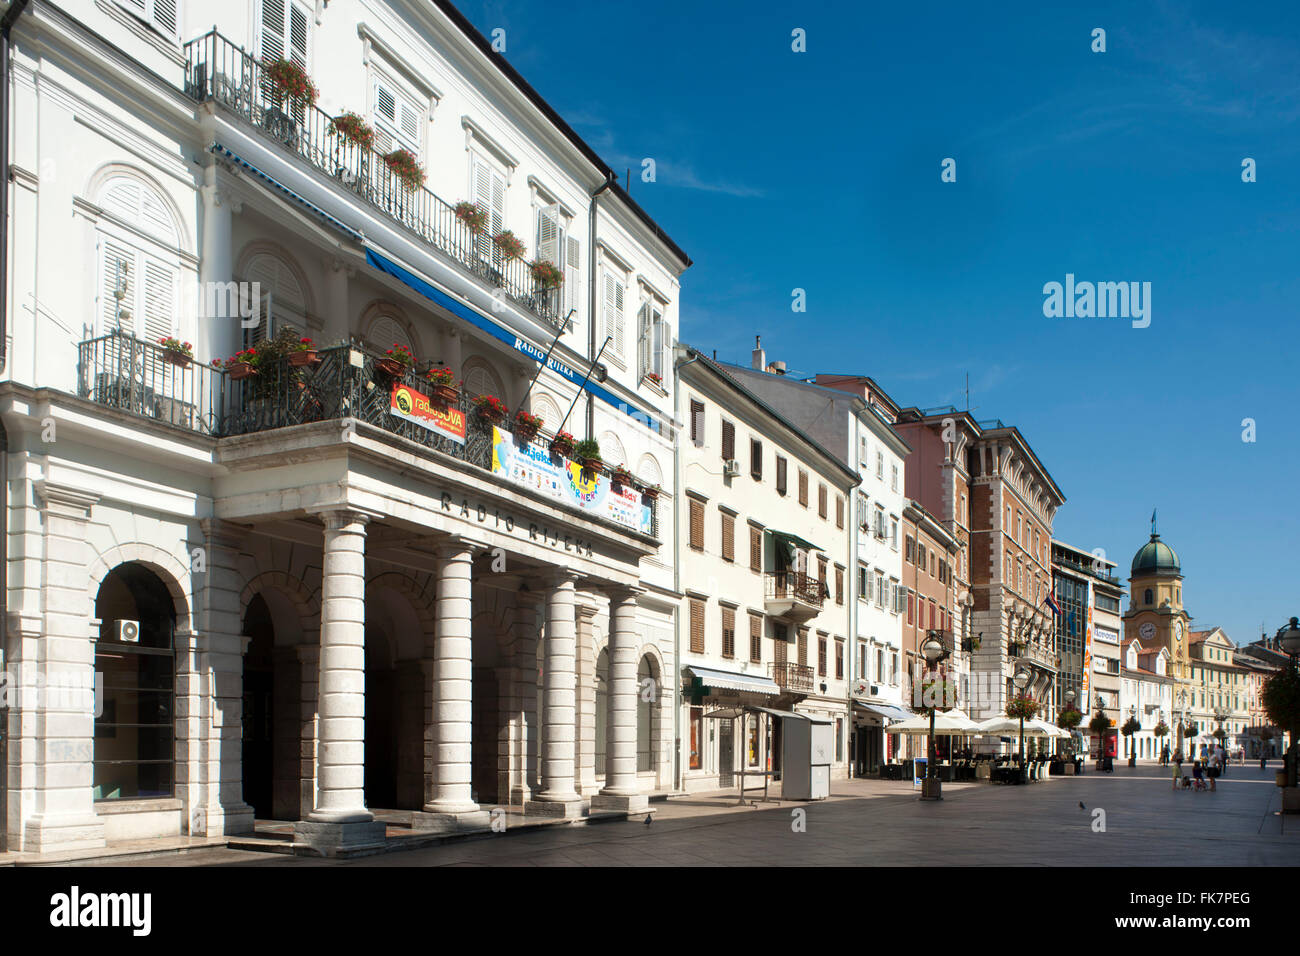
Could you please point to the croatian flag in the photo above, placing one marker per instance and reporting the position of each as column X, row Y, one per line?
column 1050, row 601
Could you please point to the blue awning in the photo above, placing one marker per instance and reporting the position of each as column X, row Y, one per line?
column 502, row 334
column 888, row 711
column 287, row 192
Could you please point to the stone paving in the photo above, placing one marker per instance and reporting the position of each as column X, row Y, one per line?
column 881, row 823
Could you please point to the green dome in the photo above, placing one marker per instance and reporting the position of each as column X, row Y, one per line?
column 1155, row 555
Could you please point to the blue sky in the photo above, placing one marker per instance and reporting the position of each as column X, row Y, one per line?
column 821, row 170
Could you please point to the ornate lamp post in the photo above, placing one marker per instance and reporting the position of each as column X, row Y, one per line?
column 1182, row 718
column 933, row 651
column 1021, row 680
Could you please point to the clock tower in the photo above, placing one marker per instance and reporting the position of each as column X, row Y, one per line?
column 1155, row 614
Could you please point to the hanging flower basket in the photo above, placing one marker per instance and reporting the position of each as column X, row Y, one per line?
column 472, row 216
column 650, row 492
column 241, row 365
column 546, row 275
column 509, row 245
column 1069, row 719
column 621, row 476
column 176, row 352
column 290, row 80
column 354, row 129
column 527, row 425
column 489, row 409
column 304, row 353
column 398, row 359
column 443, row 388
column 562, row 445
column 405, row 167
column 1022, row 707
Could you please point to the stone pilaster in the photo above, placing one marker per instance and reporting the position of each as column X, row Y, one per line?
column 621, row 790
column 61, row 815
column 585, row 739
column 339, row 819
column 558, row 796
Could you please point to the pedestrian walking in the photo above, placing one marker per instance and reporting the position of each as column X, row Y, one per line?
column 1178, row 773
column 1215, row 768
column 1164, row 756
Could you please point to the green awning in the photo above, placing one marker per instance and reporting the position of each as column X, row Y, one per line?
column 791, row 543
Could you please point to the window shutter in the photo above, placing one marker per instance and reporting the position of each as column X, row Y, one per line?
column 780, row 645
column 755, row 549
column 697, row 627
column 780, row 475
column 728, row 440
column 839, row 585
column 659, row 344
column 802, row 643
column 548, row 235
column 117, row 272
column 159, row 304
column 728, row 632
column 618, row 319
column 803, row 487
column 697, row 422
column 572, row 273
column 297, row 37
column 397, row 120
column 643, row 340
column 285, row 31
column 821, row 501
column 839, row 512
column 697, row 525
column 728, row 537
column 756, row 460
column 755, row 638
column 489, row 196
column 613, row 314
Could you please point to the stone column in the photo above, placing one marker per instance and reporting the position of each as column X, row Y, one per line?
column 61, row 812
column 340, row 819
column 557, row 796
column 621, row 791
column 585, row 744
column 451, row 737
column 219, row 335
column 308, row 720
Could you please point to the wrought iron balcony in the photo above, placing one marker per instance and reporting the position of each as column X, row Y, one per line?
column 793, row 594
column 792, row 678
column 143, row 380
column 218, row 70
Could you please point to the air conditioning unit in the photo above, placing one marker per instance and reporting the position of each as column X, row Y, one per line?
column 128, row 632
column 875, row 690
column 730, row 468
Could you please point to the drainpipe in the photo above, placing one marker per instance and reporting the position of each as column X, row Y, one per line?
column 6, row 23
column 610, row 180
column 678, row 770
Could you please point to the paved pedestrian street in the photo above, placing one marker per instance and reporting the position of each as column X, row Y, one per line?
column 881, row 823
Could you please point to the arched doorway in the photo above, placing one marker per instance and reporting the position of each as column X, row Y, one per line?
column 602, row 710
column 134, row 752
column 649, row 687
column 394, row 696
column 272, row 746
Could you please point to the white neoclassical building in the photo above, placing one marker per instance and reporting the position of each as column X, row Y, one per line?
column 311, row 584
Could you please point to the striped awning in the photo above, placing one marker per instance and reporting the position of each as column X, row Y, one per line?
column 286, row 192
column 732, row 680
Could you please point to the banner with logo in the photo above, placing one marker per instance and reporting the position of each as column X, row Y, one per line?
column 1084, row 699
column 415, row 406
column 531, row 466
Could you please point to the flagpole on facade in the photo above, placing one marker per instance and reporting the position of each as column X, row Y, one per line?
column 590, row 368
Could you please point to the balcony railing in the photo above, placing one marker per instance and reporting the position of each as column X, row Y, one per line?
column 148, row 381
column 794, row 585
column 792, row 678
column 218, row 70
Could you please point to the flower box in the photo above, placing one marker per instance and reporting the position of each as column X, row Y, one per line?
column 305, row 357
column 472, row 216
column 290, row 80
column 621, row 476
column 240, row 371
column 546, row 275
column 650, row 493
column 354, row 129
column 390, row 367
column 489, row 409
column 405, row 167
column 509, row 245
column 176, row 352
column 562, row 445
column 179, row 359
column 444, row 394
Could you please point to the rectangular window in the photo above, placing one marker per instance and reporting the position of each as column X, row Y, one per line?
column 697, row 422
column 612, row 318
column 780, row 643
column 803, row 487
column 697, row 524
column 755, row 639
column 879, row 588
column 652, row 340
column 488, row 187
column 893, row 478
column 821, row 655
column 821, row 576
column 802, row 643
column 880, row 464
column 728, row 537
column 285, row 29
column 839, row 585
column 728, row 440
column 909, row 549
column 821, row 501
column 756, row 459
column 863, row 584
column 697, row 626
column 839, row 512
column 398, row 119
column 728, row 632
column 780, row 475
column 755, row 549
column 839, row 659
column 911, row 608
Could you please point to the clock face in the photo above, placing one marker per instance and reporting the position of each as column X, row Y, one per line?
column 1147, row 630
column 1178, row 630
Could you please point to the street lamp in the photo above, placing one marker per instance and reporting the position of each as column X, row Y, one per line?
column 1132, row 744
column 1021, row 680
column 933, row 651
column 1289, row 638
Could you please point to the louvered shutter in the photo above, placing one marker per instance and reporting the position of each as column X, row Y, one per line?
column 755, row 549
column 839, row 585
column 397, row 120
column 755, row 639
column 839, row 512
column 697, row 422
column 490, row 196
column 158, row 314
column 163, row 16
column 386, row 331
column 697, row 525
column 613, row 314
column 549, row 239
column 117, row 265
column 572, row 273
column 780, row 475
column 643, row 340
column 697, row 627
column 780, row 645
column 728, row 538
column 659, row 347
column 728, row 632
column 803, row 487
column 821, row 501
column 728, row 440
column 802, row 640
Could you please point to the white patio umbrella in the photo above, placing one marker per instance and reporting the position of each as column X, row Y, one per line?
column 946, row 722
column 999, row 727
column 1041, row 728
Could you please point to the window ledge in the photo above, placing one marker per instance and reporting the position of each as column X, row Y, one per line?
column 142, row 805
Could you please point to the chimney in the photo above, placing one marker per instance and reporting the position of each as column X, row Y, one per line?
column 760, row 359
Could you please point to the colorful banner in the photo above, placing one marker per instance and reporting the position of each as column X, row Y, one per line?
column 1084, row 698
column 415, row 407
column 532, row 467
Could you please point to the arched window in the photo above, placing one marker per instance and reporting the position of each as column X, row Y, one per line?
column 549, row 411
column 387, row 330
column 611, row 449
column 649, row 471
column 283, row 298
column 138, row 265
column 134, row 752
column 1149, row 596
column 481, row 380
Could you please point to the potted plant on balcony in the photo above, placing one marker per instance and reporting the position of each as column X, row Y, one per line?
column 405, row 167
column 397, row 361
column 304, row 353
column 621, row 476
column 473, row 216
column 176, row 352
column 241, row 365
column 527, row 425
column 354, row 129
column 290, row 81
column 508, row 244
column 654, row 378
column 489, row 410
column 444, row 388
column 562, row 444
column 650, row 492
column 587, row 454
column 546, row 275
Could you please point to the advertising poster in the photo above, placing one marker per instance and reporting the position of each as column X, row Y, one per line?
column 531, row 466
column 1085, row 701
column 414, row 406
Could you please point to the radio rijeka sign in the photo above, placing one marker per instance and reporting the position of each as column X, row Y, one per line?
column 415, row 406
